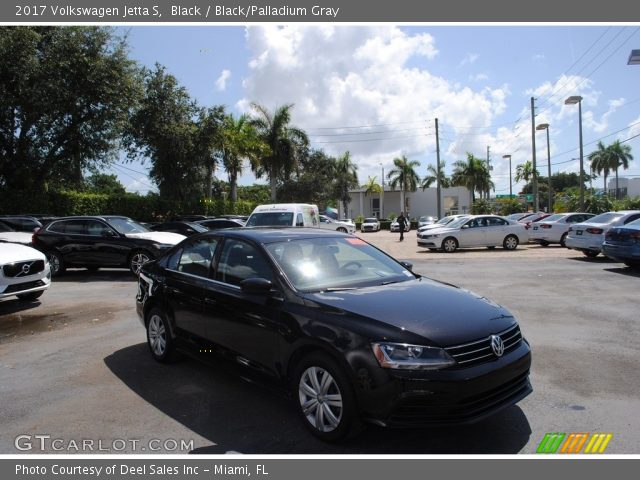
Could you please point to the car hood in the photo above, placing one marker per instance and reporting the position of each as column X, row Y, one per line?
column 12, row 252
column 16, row 237
column 160, row 237
column 441, row 230
column 442, row 313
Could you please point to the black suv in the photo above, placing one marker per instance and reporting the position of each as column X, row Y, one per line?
column 21, row 224
column 102, row 241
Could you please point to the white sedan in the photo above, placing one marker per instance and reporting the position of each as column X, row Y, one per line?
column 588, row 236
column 10, row 235
column 554, row 228
column 24, row 272
column 475, row 231
column 330, row 224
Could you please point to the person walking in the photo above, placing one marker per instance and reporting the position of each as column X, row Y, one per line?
column 402, row 223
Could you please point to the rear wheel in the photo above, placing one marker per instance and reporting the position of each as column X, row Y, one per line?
column 632, row 263
column 56, row 263
column 544, row 243
column 449, row 245
column 562, row 240
column 510, row 242
column 591, row 253
column 31, row 296
column 325, row 398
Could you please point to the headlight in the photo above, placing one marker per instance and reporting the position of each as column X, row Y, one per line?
column 430, row 236
column 162, row 246
column 411, row 357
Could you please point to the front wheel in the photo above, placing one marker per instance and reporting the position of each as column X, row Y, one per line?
column 510, row 242
column 342, row 230
column 544, row 243
column 562, row 240
column 449, row 245
column 325, row 398
column 138, row 259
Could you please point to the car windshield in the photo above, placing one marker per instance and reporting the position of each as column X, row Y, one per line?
column 458, row 223
column 635, row 223
column 270, row 219
column 126, row 225
column 605, row 217
column 370, row 220
column 319, row 264
column 554, row 218
column 5, row 228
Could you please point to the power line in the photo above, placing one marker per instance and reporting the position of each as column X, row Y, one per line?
column 366, row 133
column 374, row 139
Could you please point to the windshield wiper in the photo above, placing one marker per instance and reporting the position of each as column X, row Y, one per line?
column 337, row 289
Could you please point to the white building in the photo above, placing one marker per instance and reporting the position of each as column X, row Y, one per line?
column 628, row 187
column 454, row 200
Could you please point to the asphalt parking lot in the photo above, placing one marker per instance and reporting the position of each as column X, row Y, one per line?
column 74, row 366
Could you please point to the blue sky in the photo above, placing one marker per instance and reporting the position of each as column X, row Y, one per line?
column 375, row 90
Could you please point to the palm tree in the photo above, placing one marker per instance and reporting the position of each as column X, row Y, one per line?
column 524, row 172
column 239, row 142
column 620, row 156
column 404, row 175
column 283, row 143
column 472, row 174
column 372, row 187
column 346, row 178
column 432, row 177
column 600, row 160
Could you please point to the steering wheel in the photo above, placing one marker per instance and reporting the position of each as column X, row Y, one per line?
column 349, row 264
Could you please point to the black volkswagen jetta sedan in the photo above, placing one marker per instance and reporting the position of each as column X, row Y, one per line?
column 353, row 333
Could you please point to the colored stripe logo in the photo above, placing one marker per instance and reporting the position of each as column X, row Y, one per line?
column 556, row 442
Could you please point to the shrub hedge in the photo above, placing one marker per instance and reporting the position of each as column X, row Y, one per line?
column 146, row 208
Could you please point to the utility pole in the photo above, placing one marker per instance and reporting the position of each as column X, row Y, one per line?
column 488, row 171
column 439, row 173
column 533, row 152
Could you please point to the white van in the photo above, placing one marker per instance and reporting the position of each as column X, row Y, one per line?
column 284, row 215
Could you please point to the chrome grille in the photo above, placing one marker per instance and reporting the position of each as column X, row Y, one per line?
column 23, row 269
column 479, row 351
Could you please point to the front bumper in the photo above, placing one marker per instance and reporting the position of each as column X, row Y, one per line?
column 450, row 396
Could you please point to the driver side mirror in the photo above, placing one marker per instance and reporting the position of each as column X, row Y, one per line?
column 465, row 226
column 407, row 265
column 109, row 234
column 257, row 286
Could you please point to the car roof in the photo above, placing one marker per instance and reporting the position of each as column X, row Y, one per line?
column 272, row 235
column 93, row 217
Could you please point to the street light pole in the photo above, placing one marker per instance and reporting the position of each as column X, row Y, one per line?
column 382, row 194
column 545, row 126
column 572, row 101
column 510, row 184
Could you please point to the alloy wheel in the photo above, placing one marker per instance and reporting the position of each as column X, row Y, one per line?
column 157, row 335
column 320, row 399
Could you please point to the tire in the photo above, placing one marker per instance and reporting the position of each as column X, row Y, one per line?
column 137, row 259
column 449, row 245
column 342, row 229
column 318, row 377
column 31, row 296
column 56, row 263
column 632, row 264
column 510, row 242
column 492, row 247
column 544, row 243
column 590, row 253
column 562, row 240
column 159, row 336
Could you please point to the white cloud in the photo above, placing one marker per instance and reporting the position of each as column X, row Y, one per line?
column 479, row 77
column 377, row 76
column 468, row 59
column 221, row 82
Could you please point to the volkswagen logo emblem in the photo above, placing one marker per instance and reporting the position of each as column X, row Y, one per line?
column 26, row 268
column 497, row 345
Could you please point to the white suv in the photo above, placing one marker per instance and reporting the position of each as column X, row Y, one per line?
column 24, row 272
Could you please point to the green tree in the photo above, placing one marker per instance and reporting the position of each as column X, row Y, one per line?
column 371, row 187
column 404, row 175
column 65, row 97
column 620, row 156
column 238, row 142
column 472, row 174
column 313, row 181
column 283, row 145
column 524, row 172
column 104, row 183
column 176, row 135
column 601, row 163
column 345, row 179
column 433, row 177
